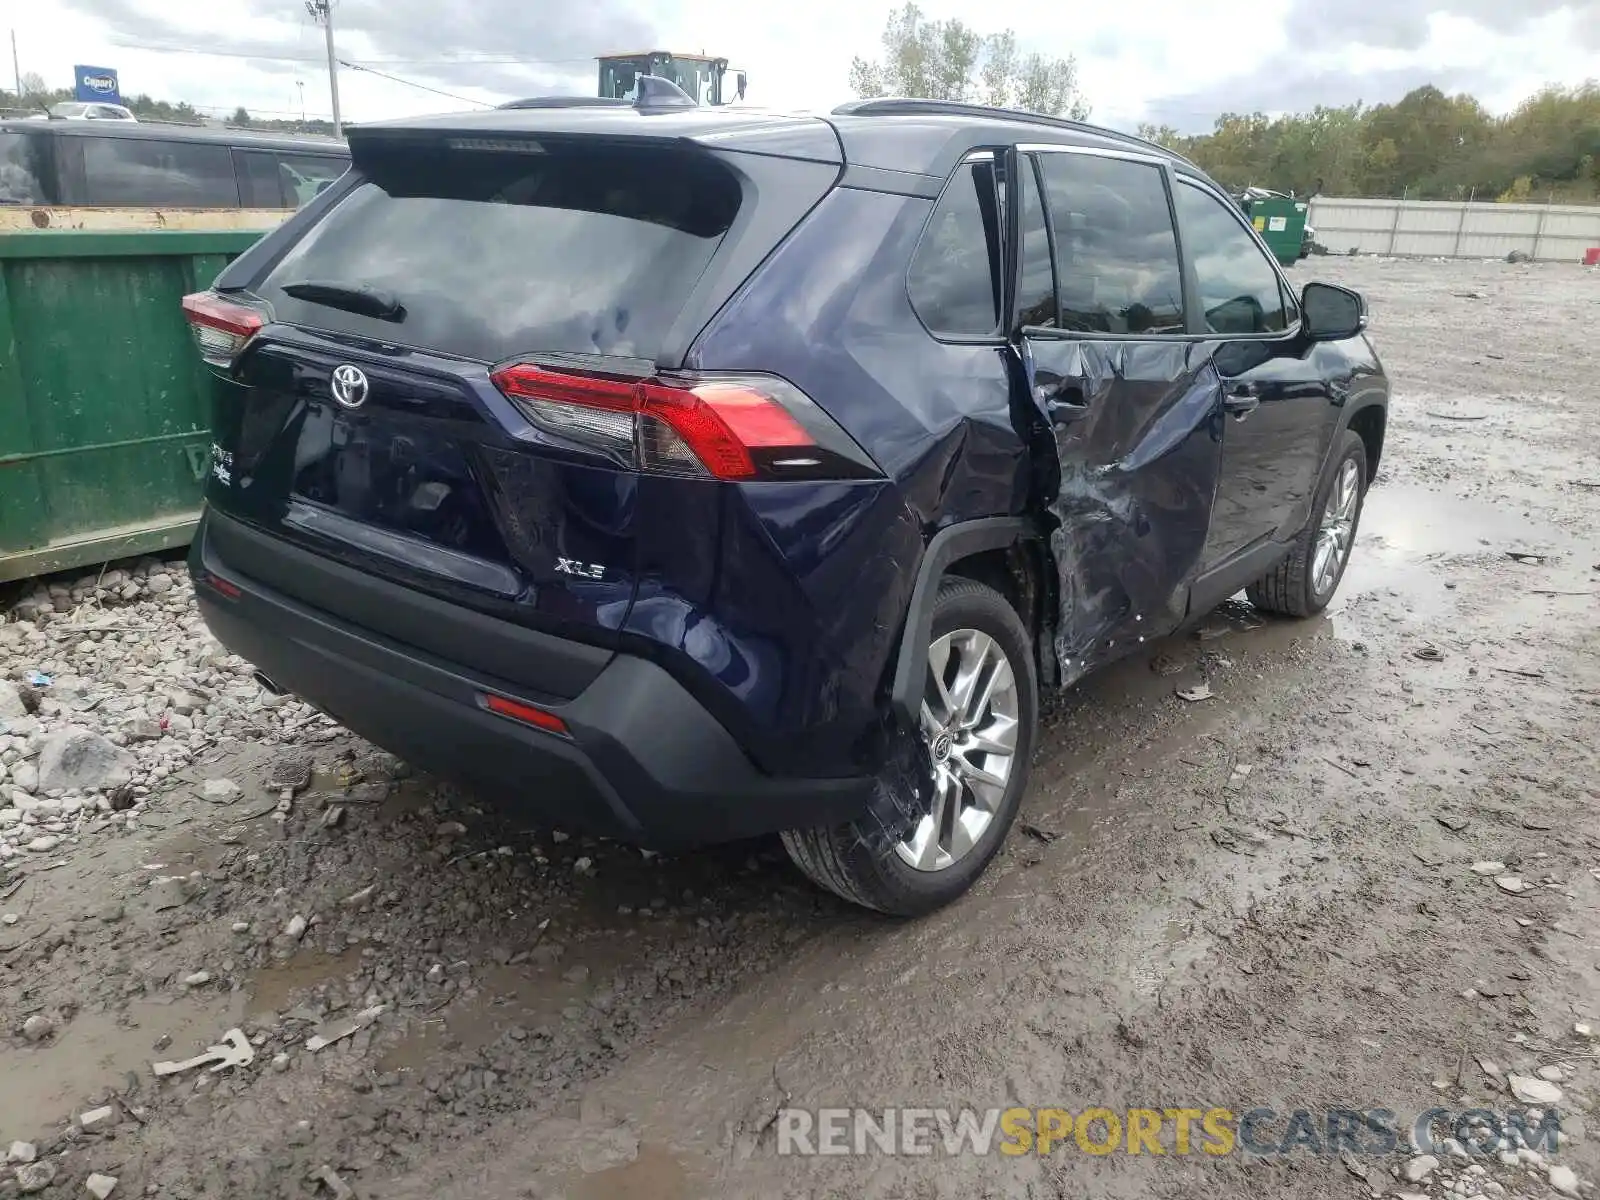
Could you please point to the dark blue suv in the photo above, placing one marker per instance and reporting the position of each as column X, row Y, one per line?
column 684, row 474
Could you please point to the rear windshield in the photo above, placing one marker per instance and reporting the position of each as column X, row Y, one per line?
column 492, row 254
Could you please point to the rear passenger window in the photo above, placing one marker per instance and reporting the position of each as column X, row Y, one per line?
column 1116, row 256
column 955, row 274
column 1037, row 301
column 269, row 179
column 138, row 172
column 1239, row 288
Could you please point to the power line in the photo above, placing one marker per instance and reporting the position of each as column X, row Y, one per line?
column 409, row 83
column 501, row 61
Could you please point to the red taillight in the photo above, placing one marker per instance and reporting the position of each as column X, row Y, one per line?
column 526, row 713
column 728, row 427
column 217, row 583
column 221, row 327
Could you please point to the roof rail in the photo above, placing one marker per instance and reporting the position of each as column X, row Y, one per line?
column 899, row 106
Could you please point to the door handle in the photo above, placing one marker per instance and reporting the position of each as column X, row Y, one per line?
column 1242, row 399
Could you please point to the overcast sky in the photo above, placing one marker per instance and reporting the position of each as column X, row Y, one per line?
column 1177, row 62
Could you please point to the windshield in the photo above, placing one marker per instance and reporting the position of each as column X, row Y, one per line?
column 68, row 110
column 619, row 78
column 490, row 255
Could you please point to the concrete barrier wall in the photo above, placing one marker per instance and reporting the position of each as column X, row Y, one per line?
column 1449, row 229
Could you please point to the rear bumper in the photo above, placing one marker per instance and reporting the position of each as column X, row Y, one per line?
column 644, row 762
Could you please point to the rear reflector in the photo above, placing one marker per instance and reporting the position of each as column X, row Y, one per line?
column 218, row 584
column 221, row 327
column 526, row 713
column 735, row 427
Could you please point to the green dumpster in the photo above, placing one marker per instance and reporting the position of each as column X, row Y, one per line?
column 1281, row 221
column 104, row 419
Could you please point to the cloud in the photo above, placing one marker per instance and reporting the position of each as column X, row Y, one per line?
column 1178, row 63
column 1406, row 24
column 500, row 46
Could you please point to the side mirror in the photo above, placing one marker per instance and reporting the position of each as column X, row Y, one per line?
column 1332, row 314
column 739, row 82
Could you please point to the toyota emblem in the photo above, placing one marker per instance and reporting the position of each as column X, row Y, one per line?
column 350, row 386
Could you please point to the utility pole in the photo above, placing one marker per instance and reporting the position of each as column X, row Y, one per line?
column 322, row 10
column 16, row 67
column 301, row 84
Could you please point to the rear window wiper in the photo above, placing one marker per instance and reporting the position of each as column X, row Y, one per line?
column 360, row 298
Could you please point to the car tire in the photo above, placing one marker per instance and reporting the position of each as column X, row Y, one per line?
column 1303, row 583
column 974, row 628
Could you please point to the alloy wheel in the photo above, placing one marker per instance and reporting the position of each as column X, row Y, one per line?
column 1337, row 531
column 970, row 724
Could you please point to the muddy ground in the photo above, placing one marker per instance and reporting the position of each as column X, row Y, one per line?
column 1266, row 899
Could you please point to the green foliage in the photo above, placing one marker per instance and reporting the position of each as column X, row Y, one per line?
column 949, row 60
column 1426, row 145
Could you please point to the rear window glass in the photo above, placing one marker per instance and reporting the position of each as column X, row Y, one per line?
column 495, row 254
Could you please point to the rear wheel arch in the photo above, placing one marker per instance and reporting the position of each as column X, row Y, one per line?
column 1005, row 553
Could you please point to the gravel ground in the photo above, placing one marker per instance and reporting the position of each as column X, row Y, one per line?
column 1266, row 899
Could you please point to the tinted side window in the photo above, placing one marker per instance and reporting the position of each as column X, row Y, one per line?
column 955, row 272
column 24, row 174
column 1239, row 288
column 1116, row 255
column 268, row 179
column 1037, row 299
column 125, row 171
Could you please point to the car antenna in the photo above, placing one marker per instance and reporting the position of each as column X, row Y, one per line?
column 658, row 92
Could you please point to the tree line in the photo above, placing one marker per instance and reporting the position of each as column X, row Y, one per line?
column 1428, row 146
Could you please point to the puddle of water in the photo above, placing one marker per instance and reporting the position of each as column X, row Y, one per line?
column 654, row 1175
column 527, row 995
column 274, row 988
column 94, row 1051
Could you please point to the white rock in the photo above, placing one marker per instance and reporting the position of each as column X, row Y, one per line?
column 10, row 701
column 198, row 979
column 1534, row 1091
column 1564, row 1180
column 1455, row 1149
column 1513, row 884
column 78, row 758
column 9, row 817
column 43, row 845
column 296, row 928
column 100, row 1186
column 1420, row 1167
column 97, row 1118
column 1488, row 868
column 35, row 1177
column 22, row 1152
column 1530, row 1158
column 1583, row 1029
column 26, row 776
column 221, row 791
column 1552, row 1073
